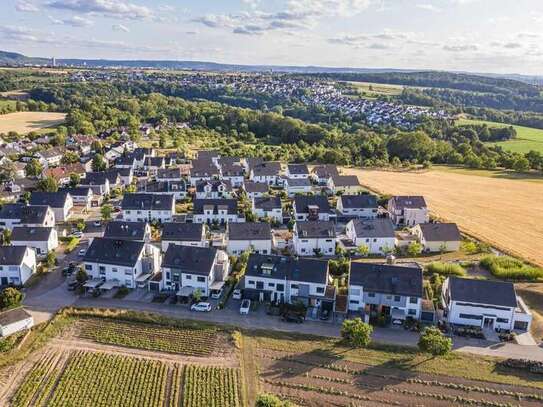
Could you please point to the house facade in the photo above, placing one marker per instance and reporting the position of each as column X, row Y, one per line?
column 17, row 264
column 311, row 208
column 183, row 234
column 408, row 210
column 268, row 207
column 253, row 236
column 362, row 206
column 376, row 234
column 41, row 239
column 438, row 237
column 216, row 211
column 148, row 207
column 60, row 202
column 313, row 237
column 12, row 215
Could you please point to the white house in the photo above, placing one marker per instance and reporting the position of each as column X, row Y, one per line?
column 297, row 186
column 314, row 237
column 297, row 171
column 322, row 173
column 148, row 207
column 253, row 236
column 41, row 239
column 361, row 206
column 122, row 230
column 213, row 189
column 408, row 210
column 376, row 234
column 347, row 184
column 267, row 173
column 311, row 208
column 81, row 196
column 437, row 237
column 390, row 291
column 169, row 174
column 14, row 320
column 216, row 211
column 17, row 264
column 203, row 170
column 127, row 263
column 268, row 207
column 178, row 189
column 98, row 182
column 183, row 234
column 234, row 173
column 192, row 268
column 26, row 215
column 60, row 202
column 487, row 304
column 255, row 189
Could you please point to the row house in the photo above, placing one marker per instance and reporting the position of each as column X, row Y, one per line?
column 255, row 189
column 98, row 182
column 322, row 173
column 376, row 234
column 438, row 237
column 297, row 171
column 268, row 173
column 361, row 206
column 214, row 189
column 12, row 215
column 120, row 177
column 314, row 237
column 203, row 171
column 60, row 202
column 169, row 175
column 344, row 184
column 122, row 230
column 216, row 211
column 17, row 264
column 295, row 186
column 268, row 207
column 313, row 208
column 83, row 196
column 177, row 189
column 256, row 237
column 183, row 234
column 153, row 164
column 50, row 158
column 234, row 173
column 408, row 210
column 148, row 207
column 40, row 238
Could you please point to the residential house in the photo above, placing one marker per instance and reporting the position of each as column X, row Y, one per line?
column 289, row 280
column 127, row 263
column 314, row 237
column 311, row 208
column 120, row 177
column 438, row 237
column 177, row 189
column 148, row 207
column 114, row 178
column 384, row 290
column 98, row 182
column 60, row 202
column 195, row 268
column 376, row 234
column 296, row 186
column 169, row 174
column 42, row 239
column 345, row 184
column 50, row 158
column 125, row 161
column 153, row 164
column 408, row 210
column 213, row 189
column 122, row 230
column 487, row 304
column 216, row 211
column 212, row 156
column 268, row 173
column 253, row 236
column 17, row 264
column 361, row 206
column 322, row 173
column 233, row 172
column 15, row 320
column 297, row 171
column 203, row 171
column 255, row 189
column 12, row 215
column 184, row 234
column 268, row 207
column 62, row 174
column 83, row 196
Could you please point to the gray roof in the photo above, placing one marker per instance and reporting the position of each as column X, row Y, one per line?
column 301, row 203
column 407, row 201
column 299, row 169
column 215, row 184
column 31, row 233
column 325, row 171
column 482, row 292
column 26, row 213
column 268, row 202
column 203, row 169
column 251, row 186
column 381, row 227
column 154, row 162
column 182, row 231
column 345, row 180
column 166, row 187
column 269, row 168
column 125, row 160
column 440, row 232
column 147, row 202
column 114, row 251
column 231, row 169
column 359, row 201
column 316, row 229
column 13, row 315
column 189, row 259
column 94, row 178
column 249, row 231
column 169, row 173
column 298, row 182
column 387, row 279
column 53, row 199
column 125, row 230
column 78, row 191
column 230, row 204
column 289, row 268
column 11, row 255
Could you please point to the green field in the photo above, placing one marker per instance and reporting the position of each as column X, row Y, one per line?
column 374, row 90
column 527, row 138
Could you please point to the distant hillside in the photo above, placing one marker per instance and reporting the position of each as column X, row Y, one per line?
column 15, row 59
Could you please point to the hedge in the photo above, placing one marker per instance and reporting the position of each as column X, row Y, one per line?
column 509, row 268
column 445, row 269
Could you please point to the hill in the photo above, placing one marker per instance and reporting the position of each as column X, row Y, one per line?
column 13, row 58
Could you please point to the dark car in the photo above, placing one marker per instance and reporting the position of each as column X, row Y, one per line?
column 73, row 285
column 291, row 317
column 325, row 315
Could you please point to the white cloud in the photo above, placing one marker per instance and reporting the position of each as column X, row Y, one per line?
column 75, row 21
column 108, row 8
column 429, row 7
column 460, row 47
column 26, row 6
column 120, row 27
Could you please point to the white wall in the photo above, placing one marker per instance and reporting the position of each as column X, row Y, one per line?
column 306, row 246
column 6, row 330
column 41, row 247
column 236, row 247
column 18, row 274
column 132, row 215
column 194, row 243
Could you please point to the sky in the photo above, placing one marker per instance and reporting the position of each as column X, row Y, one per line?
column 501, row 36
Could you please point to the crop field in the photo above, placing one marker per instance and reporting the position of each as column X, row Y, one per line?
column 377, row 89
column 527, row 138
column 497, row 210
column 25, row 122
column 211, row 386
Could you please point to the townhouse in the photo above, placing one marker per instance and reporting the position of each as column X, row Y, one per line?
column 297, row 171
column 17, row 264
column 40, row 238
column 268, row 173
column 178, row 189
column 361, row 206
column 213, row 189
column 344, row 184
column 125, row 161
column 288, row 280
column 232, row 172
column 295, row 186
column 253, row 236
column 98, row 182
column 122, row 230
column 127, row 263
column 82, row 196
column 183, row 234
column 408, row 210
column 169, row 174
column 114, row 178
column 203, row 171
column 62, row 174
column 121, row 176
column 26, row 215
column 384, row 290
column 50, row 158
column 60, row 202
column 313, row 238
column 255, row 189
column 153, row 164
column 216, row 211
column 148, row 207
column 375, row 234
column 487, row 304
column 187, row 268
column 268, row 207
column 438, row 237
column 322, row 173
column 311, row 208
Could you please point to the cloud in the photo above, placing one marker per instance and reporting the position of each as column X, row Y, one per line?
column 26, row 6
column 373, row 41
column 506, row 45
column 75, row 21
column 460, row 48
column 120, row 27
column 108, row 8
column 429, row 7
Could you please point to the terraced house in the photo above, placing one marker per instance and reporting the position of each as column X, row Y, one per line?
column 26, row 215
column 148, row 208
column 17, row 264
column 252, row 236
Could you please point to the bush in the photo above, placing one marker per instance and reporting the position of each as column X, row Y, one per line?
column 509, row 268
column 71, row 244
column 10, row 298
column 432, row 341
column 356, row 333
column 445, row 269
column 270, row 400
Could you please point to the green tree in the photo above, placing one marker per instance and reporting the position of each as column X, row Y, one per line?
column 363, row 250
column 47, row 184
column 356, row 332
column 81, row 276
column 434, row 342
column 75, row 179
column 70, row 157
column 521, row 164
column 7, row 171
column 6, row 237
column 414, row 249
column 10, row 298
column 106, row 212
column 26, row 197
column 197, row 295
column 99, row 163
column 33, row 168
column 271, row 400
column 51, row 259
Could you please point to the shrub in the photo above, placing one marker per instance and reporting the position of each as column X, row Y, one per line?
column 432, row 341
column 270, row 400
column 445, row 269
column 10, row 298
column 509, row 268
column 356, row 333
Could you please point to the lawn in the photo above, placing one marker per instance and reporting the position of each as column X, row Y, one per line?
column 25, row 122
column 527, row 138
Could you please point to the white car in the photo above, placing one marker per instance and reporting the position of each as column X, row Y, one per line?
column 236, row 295
column 97, row 223
column 82, row 252
column 245, row 306
column 216, row 294
column 78, row 234
column 201, row 307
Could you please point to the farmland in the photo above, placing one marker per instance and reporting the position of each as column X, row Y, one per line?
column 527, row 138
column 496, row 210
column 377, row 89
column 25, row 122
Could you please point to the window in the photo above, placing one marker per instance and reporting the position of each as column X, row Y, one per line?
column 201, row 279
column 371, row 295
column 355, row 291
column 367, row 240
column 354, row 302
column 188, row 277
column 280, row 287
column 114, row 269
column 320, row 290
column 471, row 316
column 128, row 283
column 168, row 275
column 502, row 320
column 413, row 300
column 127, row 272
column 14, row 280
column 397, row 298
column 102, row 270
column 271, row 285
column 259, row 285
column 374, row 240
column 250, row 282
column 88, row 267
column 176, row 277
column 412, row 311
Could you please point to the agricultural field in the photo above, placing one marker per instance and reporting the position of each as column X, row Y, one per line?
column 25, row 122
column 527, row 138
column 499, row 211
column 377, row 89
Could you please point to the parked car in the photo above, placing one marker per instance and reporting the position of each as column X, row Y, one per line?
column 77, row 234
column 97, row 223
column 73, row 285
column 201, row 307
column 236, row 294
column 292, row 317
column 325, row 315
column 216, row 294
column 82, row 252
column 245, row 306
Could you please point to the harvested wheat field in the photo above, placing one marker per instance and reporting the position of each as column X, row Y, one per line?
column 25, row 122
column 503, row 212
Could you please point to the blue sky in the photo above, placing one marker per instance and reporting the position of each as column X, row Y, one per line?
column 502, row 36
